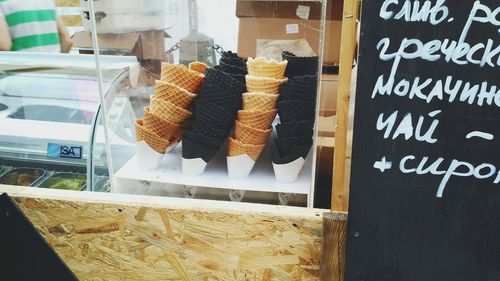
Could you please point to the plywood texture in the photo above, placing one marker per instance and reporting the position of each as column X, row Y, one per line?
column 72, row 20
column 118, row 242
column 67, row 3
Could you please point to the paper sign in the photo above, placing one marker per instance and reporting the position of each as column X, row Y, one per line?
column 292, row 28
column 303, row 12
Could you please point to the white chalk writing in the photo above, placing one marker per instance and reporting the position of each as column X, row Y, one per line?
column 406, row 126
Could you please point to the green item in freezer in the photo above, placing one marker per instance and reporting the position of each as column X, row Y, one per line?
column 68, row 181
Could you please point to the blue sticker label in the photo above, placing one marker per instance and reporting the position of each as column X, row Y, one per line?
column 64, row 151
column 53, row 150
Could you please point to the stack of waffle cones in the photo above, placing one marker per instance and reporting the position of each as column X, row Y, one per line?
column 266, row 68
column 198, row 66
column 258, row 84
column 182, row 76
column 253, row 124
column 265, row 76
column 169, row 108
column 259, row 101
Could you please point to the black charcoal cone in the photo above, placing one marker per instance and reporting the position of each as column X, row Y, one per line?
column 293, row 153
column 216, row 116
column 299, row 88
column 293, row 110
column 192, row 150
column 210, row 93
column 203, row 128
column 224, row 81
column 295, row 129
column 231, row 69
column 233, row 59
column 203, row 139
column 298, row 66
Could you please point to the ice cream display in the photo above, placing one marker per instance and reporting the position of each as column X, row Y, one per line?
column 253, row 124
column 235, row 102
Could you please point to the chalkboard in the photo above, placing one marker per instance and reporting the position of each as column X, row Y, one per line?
column 425, row 179
column 24, row 254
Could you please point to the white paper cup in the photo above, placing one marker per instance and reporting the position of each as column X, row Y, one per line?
column 193, row 167
column 239, row 167
column 146, row 157
column 288, row 172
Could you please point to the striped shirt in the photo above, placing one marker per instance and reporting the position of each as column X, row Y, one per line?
column 32, row 25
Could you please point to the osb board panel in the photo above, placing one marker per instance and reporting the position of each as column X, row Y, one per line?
column 67, row 3
column 117, row 242
column 73, row 20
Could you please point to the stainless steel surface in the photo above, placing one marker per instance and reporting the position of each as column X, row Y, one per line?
column 37, row 175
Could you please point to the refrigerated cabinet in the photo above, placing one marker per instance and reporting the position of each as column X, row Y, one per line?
column 50, row 117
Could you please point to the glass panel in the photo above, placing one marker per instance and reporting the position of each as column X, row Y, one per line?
column 187, row 154
column 49, row 109
column 120, row 102
column 47, row 118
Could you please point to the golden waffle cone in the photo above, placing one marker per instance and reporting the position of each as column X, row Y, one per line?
column 169, row 111
column 173, row 93
column 162, row 127
column 257, row 119
column 259, row 101
column 236, row 148
column 266, row 68
column 181, row 76
column 248, row 135
column 256, row 84
column 156, row 142
column 198, row 66
column 177, row 136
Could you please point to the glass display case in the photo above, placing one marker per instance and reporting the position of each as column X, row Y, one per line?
column 207, row 147
column 243, row 128
column 51, row 133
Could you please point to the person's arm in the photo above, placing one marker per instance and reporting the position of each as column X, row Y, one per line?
column 64, row 37
column 5, row 39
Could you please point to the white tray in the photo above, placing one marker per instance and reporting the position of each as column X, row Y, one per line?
column 215, row 176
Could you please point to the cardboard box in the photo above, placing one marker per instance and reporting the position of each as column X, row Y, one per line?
column 146, row 45
column 289, row 20
column 253, row 29
column 328, row 94
column 325, row 155
column 288, row 9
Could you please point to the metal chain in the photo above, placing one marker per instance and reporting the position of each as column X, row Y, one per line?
column 218, row 49
column 173, row 48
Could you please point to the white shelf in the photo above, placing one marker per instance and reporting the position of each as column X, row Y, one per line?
column 215, row 176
